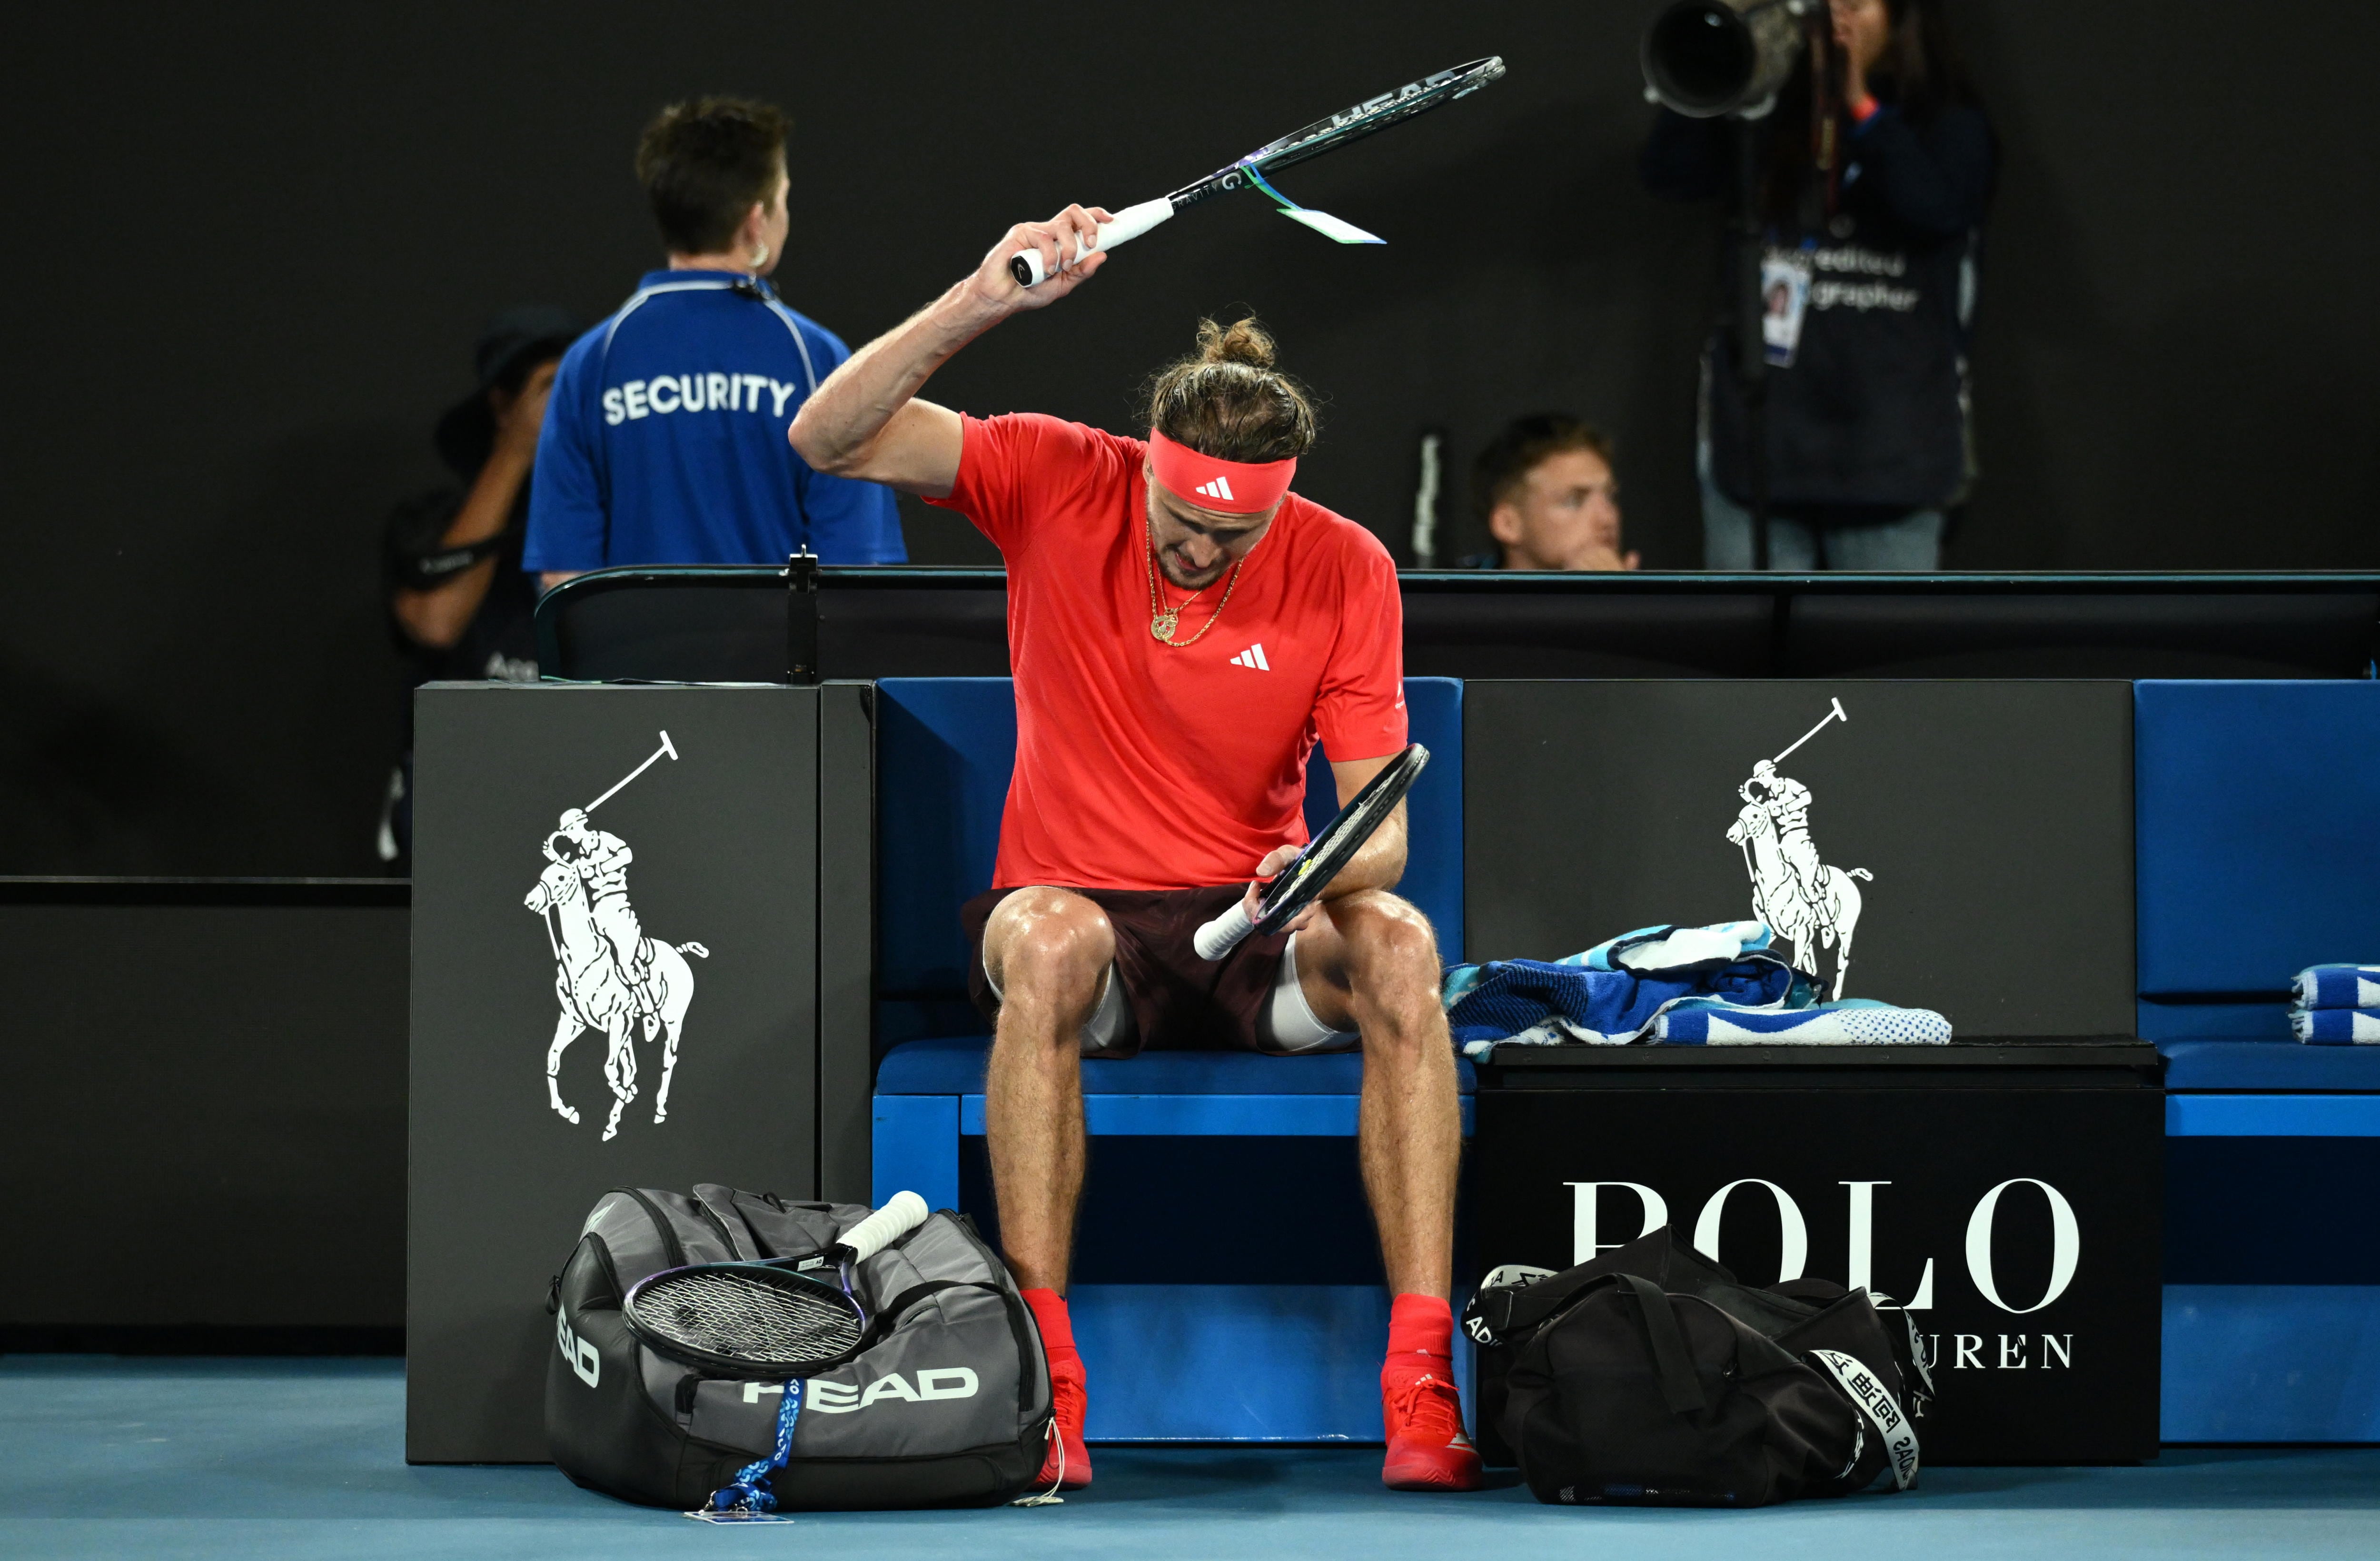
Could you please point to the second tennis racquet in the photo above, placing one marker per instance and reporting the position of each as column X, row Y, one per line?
column 1302, row 882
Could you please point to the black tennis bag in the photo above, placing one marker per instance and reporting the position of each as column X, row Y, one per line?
column 951, row 1406
column 1650, row 1376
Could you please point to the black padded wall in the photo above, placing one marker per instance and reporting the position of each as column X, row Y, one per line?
column 208, row 1084
column 533, row 1082
column 1973, row 837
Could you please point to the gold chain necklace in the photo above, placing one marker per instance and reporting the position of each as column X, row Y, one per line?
column 1163, row 619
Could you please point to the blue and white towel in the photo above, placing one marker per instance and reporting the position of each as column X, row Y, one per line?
column 2336, row 1027
column 1611, row 994
column 1854, row 1021
column 2337, row 986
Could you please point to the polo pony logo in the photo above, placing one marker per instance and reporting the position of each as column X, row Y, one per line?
column 1800, row 898
column 607, row 974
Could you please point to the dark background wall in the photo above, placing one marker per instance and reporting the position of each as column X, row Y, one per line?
column 251, row 249
column 213, row 1079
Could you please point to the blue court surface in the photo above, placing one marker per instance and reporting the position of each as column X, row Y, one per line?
column 253, row 1459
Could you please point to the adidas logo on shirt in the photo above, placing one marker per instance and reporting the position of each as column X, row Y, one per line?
column 1252, row 658
column 1220, row 488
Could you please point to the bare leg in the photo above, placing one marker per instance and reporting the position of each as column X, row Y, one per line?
column 1049, row 950
column 1371, row 965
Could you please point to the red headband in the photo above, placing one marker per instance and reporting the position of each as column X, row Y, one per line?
column 1235, row 487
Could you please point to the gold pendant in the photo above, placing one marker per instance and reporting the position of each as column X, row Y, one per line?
column 1161, row 626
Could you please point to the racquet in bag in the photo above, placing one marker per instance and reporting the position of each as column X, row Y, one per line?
column 1324, row 135
column 785, row 1319
column 1302, row 882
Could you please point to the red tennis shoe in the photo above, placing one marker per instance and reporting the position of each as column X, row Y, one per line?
column 1068, row 1466
column 1427, row 1449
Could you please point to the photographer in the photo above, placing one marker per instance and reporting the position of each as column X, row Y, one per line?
column 1875, row 176
column 458, row 598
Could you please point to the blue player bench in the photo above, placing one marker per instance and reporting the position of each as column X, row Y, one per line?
column 1226, row 1287
column 2258, row 835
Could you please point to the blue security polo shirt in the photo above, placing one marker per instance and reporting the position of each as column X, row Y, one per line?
column 664, row 439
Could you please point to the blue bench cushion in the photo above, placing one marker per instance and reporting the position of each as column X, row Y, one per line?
column 2257, row 826
column 953, row 1066
column 2160, row 1020
column 2269, row 1065
column 2256, row 822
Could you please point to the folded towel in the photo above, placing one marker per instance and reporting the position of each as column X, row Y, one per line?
column 1608, row 995
column 1852, row 1021
column 1671, row 948
column 2336, row 1027
column 2338, row 986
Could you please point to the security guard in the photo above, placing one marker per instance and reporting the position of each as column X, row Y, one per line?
column 665, row 442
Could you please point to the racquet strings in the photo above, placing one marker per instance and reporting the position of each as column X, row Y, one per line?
column 747, row 1316
column 1360, row 822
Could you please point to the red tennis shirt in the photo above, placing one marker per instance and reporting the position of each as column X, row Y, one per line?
column 1140, row 766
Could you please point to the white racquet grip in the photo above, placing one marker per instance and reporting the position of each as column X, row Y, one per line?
column 1222, row 934
column 1128, row 224
column 905, row 1213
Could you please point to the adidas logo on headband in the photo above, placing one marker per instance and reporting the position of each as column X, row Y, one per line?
column 1235, row 487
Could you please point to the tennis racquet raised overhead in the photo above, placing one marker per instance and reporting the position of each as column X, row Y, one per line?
column 1323, row 135
column 1297, row 885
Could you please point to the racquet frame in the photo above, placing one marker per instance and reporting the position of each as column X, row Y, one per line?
column 904, row 1212
column 1324, row 135
column 1346, row 126
column 1301, row 883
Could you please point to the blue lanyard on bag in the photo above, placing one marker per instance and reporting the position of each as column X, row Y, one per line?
column 746, row 1491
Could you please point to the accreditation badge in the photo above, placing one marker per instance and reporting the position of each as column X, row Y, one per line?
column 1784, row 299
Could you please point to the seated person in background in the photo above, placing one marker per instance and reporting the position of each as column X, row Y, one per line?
column 667, row 444
column 459, row 600
column 1546, row 491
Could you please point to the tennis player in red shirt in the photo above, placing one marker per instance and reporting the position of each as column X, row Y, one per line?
column 1183, row 629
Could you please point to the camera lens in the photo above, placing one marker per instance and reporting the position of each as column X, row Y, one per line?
column 1699, row 55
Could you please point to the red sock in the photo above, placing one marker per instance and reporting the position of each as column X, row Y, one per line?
column 1424, row 1326
column 1057, row 1328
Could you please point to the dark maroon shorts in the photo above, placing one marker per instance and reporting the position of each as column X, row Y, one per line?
column 1179, row 1002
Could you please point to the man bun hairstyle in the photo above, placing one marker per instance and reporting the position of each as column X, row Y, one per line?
column 1228, row 401
column 706, row 163
column 1526, row 443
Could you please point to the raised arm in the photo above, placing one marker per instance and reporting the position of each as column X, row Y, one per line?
column 866, row 420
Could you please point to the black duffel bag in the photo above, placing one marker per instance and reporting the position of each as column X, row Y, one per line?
column 1651, row 1376
column 949, row 1405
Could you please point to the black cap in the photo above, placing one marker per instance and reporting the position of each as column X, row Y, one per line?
column 525, row 334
